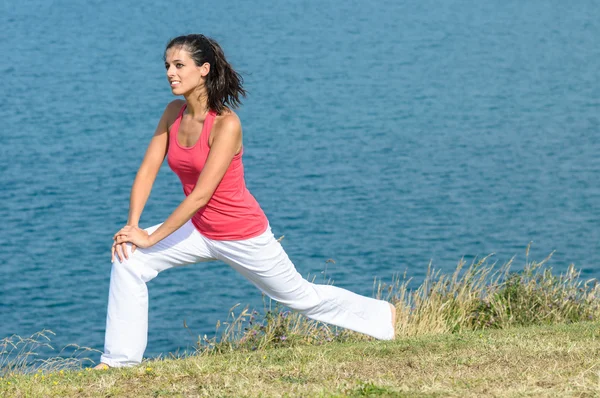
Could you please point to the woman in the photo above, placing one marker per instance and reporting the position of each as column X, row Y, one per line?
column 218, row 219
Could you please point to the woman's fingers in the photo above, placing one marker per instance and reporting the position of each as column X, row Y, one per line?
column 123, row 230
column 124, row 247
column 113, row 252
column 118, row 233
column 119, row 247
column 119, row 254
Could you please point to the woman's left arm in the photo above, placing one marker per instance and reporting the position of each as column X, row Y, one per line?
column 227, row 140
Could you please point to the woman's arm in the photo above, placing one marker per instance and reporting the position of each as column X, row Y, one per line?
column 146, row 175
column 155, row 155
column 227, row 140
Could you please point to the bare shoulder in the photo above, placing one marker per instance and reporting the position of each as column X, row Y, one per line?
column 228, row 128
column 176, row 104
column 228, row 122
column 172, row 110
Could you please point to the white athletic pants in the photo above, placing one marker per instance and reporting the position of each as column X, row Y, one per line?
column 261, row 260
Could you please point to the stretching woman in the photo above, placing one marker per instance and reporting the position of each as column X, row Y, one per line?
column 218, row 219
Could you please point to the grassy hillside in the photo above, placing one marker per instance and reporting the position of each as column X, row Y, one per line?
column 482, row 331
column 559, row 360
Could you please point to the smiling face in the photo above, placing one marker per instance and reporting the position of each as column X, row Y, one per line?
column 182, row 72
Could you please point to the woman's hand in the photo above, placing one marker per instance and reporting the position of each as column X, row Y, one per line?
column 120, row 249
column 134, row 235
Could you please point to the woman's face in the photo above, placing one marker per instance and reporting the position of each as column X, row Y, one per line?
column 182, row 72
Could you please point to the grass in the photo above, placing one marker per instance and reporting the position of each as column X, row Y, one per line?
column 478, row 297
column 483, row 330
column 18, row 355
column 555, row 360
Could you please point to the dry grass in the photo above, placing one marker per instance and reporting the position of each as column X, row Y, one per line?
column 483, row 297
column 537, row 361
column 18, row 355
column 478, row 297
column 482, row 331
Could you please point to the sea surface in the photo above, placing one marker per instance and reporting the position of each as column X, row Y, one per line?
column 380, row 137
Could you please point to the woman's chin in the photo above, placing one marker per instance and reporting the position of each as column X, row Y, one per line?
column 178, row 91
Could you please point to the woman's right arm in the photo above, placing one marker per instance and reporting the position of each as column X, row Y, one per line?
column 146, row 175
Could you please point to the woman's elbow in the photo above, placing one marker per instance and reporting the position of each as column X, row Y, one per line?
column 199, row 200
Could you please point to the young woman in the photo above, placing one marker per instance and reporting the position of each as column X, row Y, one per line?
column 218, row 219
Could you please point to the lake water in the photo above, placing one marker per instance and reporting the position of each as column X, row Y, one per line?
column 380, row 134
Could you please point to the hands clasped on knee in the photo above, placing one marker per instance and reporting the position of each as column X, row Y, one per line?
column 131, row 234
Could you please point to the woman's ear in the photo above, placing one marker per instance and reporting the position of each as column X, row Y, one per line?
column 204, row 69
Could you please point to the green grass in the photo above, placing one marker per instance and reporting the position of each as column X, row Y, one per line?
column 481, row 331
column 549, row 360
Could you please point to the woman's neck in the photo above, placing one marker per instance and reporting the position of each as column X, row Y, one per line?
column 197, row 105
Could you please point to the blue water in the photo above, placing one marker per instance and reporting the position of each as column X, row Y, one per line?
column 380, row 134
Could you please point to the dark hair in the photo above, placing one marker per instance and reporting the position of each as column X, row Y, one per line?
column 223, row 84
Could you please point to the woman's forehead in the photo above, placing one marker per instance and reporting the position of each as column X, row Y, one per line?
column 177, row 52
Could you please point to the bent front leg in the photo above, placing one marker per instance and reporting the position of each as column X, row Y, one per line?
column 127, row 318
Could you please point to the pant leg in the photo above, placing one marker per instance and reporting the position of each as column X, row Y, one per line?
column 263, row 261
column 127, row 318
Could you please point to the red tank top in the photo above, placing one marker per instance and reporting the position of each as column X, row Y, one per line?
column 232, row 213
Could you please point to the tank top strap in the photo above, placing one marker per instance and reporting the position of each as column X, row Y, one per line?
column 175, row 125
column 207, row 128
column 180, row 114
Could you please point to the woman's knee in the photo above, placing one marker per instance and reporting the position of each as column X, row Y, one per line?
column 133, row 266
column 123, row 265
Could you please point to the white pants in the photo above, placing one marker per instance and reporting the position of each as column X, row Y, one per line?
column 261, row 260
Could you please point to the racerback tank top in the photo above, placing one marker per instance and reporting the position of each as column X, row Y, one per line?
column 232, row 213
